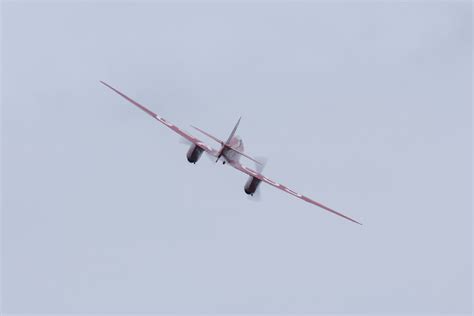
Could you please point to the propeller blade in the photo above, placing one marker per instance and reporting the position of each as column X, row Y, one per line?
column 184, row 141
column 210, row 157
column 257, row 196
column 260, row 166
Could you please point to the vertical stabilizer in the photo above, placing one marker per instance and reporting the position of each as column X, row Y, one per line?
column 233, row 131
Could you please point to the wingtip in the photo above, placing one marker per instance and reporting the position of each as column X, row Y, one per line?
column 356, row 222
column 108, row 86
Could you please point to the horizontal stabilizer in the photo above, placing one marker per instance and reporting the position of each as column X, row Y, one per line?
column 246, row 156
column 208, row 135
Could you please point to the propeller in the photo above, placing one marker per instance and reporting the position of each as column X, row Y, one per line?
column 259, row 167
column 257, row 196
column 210, row 157
column 186, row 142
column 183, row 141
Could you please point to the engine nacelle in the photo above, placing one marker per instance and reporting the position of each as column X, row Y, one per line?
column 194, row 153
column 251, row 185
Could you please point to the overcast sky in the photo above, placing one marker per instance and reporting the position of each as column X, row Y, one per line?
column 363, row 106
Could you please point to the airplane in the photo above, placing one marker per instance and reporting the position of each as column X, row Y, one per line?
column 230, row 152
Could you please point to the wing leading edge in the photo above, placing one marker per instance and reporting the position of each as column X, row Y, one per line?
column 173, row 127
column 277, row 185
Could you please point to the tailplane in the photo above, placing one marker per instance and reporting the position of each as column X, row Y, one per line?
column 246, row 156
column 226, row 145
column 208, row 135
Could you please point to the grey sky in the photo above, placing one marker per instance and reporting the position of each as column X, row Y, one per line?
column 363, row 106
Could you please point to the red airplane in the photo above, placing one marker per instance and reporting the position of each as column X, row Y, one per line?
column 230, row 151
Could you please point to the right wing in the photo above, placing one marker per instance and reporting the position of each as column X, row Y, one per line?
column 277, row 185
column 173, row 127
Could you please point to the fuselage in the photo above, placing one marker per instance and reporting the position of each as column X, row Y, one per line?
column 234, row 143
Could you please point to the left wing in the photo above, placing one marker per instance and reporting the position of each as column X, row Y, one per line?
column 173, row 127
column 261, row 177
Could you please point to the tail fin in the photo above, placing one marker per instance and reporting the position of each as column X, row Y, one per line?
column 233, row 131
column 227, row 142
